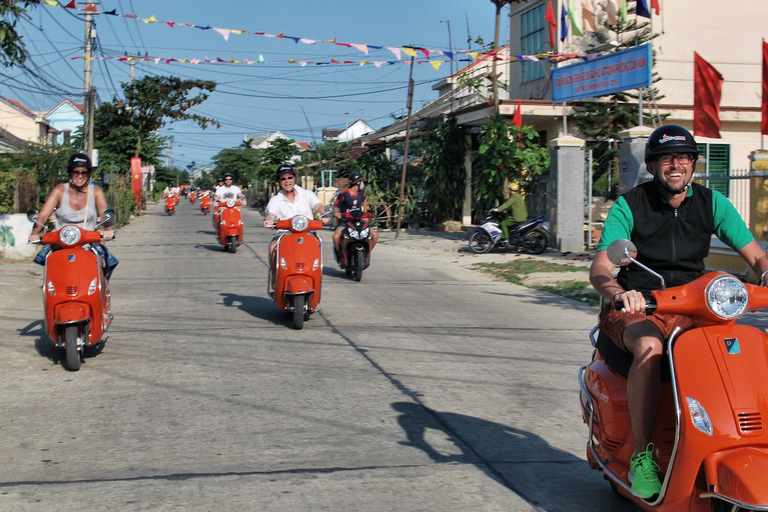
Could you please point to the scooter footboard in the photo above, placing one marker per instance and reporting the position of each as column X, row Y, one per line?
column 738, row 476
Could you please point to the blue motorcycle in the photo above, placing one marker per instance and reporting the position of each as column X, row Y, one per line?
column 529, row 236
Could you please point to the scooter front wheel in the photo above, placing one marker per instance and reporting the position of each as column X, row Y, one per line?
column 480, row 242
column 71, row 333
column 298, row 312
column 360, row 255
column 232, row 244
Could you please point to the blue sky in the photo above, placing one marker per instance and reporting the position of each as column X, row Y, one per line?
column 252, row 99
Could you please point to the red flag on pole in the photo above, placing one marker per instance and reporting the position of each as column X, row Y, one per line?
column 136, row 178
column 707, row 89
column 656, row 6
column 550, row 17
column 517, row 119
column 764, row 123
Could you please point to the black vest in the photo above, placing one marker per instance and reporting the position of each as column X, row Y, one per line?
column 671, row 241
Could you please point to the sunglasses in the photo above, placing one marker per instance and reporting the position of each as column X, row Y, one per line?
column 286, row 178
column 79, row 173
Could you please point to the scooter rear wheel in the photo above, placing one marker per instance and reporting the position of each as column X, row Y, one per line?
column 71, row 333
column 298, row 312
column 360, row 256
column 535, row 241
column 480, row 242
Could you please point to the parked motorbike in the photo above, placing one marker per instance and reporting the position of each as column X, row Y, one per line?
column 170, row 204
column 297, row 282
column 355, row 246
column 76, row 296
column 205, row 203
column 710, row 433
column 192, row 196
column 530, row 236
column 229, row 228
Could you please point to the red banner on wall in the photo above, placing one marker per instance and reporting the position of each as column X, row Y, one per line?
column 136, row 178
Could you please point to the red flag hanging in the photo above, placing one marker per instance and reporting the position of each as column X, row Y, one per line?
column 656, row 6
column 707, row 89
column 764, row 123
column 517, row 119
column 550, row 17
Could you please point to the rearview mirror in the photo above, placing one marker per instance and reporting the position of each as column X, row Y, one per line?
column 33, row 215
column 108, row 218
column 622, row 252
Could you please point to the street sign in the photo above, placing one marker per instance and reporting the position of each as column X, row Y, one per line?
column 619, row 71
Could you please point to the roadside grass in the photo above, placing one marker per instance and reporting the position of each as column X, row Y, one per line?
column 517, row 271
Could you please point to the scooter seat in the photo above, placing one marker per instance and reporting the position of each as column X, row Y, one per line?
column 620, row 361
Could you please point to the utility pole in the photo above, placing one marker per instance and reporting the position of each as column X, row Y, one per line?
column 88, row 88
column 405, row 156
column 450, row 48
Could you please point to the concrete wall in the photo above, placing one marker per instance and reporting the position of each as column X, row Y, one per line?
column 14, row 232
column 566, row 193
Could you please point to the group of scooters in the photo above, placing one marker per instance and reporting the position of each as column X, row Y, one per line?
column 711, row 431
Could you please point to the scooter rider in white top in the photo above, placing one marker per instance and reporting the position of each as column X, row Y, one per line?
column 228, row 191
column 290, row 201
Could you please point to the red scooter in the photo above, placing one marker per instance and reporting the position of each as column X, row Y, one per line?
column 192, row 196
column 355, row 244
column 299, row 268
column 76, row 294
column 170, row 204
column 711, row 429
column 205, row 203
column 229, row 227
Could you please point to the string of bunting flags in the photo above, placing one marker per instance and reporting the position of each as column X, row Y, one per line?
column 454, row 56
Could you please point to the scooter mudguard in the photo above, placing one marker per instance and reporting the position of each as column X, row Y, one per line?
column 296, row 285
column 71, row 312
column 738, row 475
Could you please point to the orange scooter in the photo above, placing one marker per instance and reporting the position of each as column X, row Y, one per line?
column 297, row 282
column 76, row 294
column 205, row 202
column 170, row 204
column 192, row 196
column 229, row 227
column 711, row 429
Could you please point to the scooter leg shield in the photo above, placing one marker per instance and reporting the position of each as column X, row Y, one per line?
column 739, row 475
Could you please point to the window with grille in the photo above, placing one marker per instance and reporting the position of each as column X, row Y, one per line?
column 533, row 40
column 718, row 163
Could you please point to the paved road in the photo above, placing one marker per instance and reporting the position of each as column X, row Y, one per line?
column 427, row 386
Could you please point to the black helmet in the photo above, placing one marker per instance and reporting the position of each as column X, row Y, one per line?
column 285, row 168
column 670, row 138
column 228, row 175
column 79, row 160
column 219, row 178
column 355, row 176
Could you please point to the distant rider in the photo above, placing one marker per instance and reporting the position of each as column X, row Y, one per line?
column 519, row 214
column 351, row 200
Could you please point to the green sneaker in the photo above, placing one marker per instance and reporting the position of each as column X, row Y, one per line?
column 642, row 474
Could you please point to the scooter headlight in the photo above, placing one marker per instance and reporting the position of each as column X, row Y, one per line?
column 364, row 233
column 699, row 416
column 230, row 203
column 69, row 235
column 299, row 223
column 727, row 297
column 353, row 234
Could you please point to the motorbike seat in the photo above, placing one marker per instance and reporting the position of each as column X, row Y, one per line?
column 620, row 361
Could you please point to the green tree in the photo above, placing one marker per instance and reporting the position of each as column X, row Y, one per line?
column 444, row 174
column 12, row 50
column 279, row 151
column 244, row 162
column 153, row 101
column 506, row 152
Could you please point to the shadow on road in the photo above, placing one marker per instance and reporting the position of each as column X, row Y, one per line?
column 258, row 307
column 46, row 348
column 539, row 473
